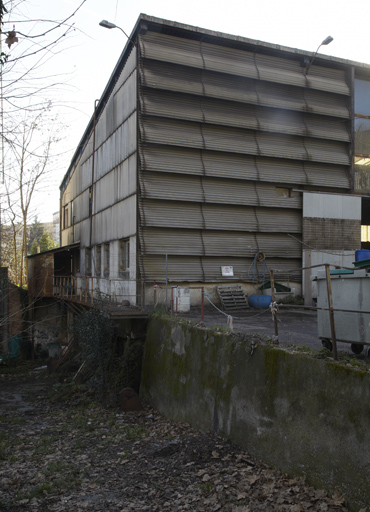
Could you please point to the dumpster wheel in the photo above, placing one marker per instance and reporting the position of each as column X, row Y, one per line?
column 326, row 343
column 357, row 348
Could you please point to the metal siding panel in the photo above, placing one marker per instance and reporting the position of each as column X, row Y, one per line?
column 331, row 206
column 217, row 164
column 217, row 138
column 105, row 191
column 109, row 113
column 129, row 68
column 86, row 174
column 81, row 206
column 174, row 214
column 125, row 100
column 239, row 62
column 219, row 243
column 205, row 269
column 171, row 77
column 126, row 178
column 210, row 190
column 116, row 222
column 228, row 113
column 121, row 144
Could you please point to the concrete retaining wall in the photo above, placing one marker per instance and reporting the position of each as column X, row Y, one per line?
column 300, row 414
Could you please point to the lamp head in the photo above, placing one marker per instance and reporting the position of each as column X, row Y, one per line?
column 107, row 24
column 327, row 40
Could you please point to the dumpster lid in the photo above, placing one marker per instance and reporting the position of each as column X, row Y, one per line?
column 361, row 263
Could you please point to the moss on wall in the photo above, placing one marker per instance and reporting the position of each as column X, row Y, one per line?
column 300, row 414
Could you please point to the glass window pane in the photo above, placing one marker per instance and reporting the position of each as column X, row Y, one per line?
column 362, row 97
column 362, row 136
column 362, row 178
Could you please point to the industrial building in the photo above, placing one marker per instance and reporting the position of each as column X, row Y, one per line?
column 207, row 152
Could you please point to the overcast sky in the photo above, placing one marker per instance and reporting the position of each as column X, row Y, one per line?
column 92, row 52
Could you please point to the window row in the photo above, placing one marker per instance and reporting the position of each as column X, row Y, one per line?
column 98, row 260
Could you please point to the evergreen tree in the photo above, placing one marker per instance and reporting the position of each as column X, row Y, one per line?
column 34, row 246
column 35, row 233
column 46, row 242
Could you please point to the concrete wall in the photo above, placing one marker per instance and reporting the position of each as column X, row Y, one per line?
column 300, row 414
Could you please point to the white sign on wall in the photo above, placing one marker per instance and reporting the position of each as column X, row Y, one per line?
column 227, row 271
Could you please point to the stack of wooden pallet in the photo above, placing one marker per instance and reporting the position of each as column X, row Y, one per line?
column 232, row 297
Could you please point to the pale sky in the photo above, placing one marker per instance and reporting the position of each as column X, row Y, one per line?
column 91, row 54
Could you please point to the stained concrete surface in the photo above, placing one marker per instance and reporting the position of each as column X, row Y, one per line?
column 295, row 327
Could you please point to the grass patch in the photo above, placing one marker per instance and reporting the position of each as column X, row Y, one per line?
column 56, row 476
column 134, row 433
column 46, row 445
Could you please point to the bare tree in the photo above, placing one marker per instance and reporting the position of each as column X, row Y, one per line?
column 26, row 125
column 30, row 162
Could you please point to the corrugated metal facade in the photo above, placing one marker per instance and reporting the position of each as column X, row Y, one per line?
column 225, row 138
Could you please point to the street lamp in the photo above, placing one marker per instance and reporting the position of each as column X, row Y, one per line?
column 325, row 42
column 108, row 24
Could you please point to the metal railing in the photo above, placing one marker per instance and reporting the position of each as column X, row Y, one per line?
column 92, row 290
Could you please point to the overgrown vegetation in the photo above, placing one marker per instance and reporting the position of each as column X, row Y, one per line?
column 109, row 363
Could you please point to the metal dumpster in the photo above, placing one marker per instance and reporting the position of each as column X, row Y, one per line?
column 350, row 291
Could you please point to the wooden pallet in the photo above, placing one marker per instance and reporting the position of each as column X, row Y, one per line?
column 232, row 297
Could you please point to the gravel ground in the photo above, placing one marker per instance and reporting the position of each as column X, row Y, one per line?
column 60, row 450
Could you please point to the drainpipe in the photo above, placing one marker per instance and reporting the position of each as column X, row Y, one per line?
column 92, row 173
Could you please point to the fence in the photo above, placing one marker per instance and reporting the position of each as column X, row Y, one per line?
column 91, row 290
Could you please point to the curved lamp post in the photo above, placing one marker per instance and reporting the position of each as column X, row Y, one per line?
column 108, row 24
column 325, row 42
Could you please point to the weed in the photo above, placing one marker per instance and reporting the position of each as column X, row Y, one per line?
column 46, row 445
column 221, row 329
column 37, row 490
column 134, row 433
column 205, row 488
column 56, row 475
column 3, row 450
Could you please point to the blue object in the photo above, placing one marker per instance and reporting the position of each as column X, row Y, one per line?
column 260, row 301
column 362, row 254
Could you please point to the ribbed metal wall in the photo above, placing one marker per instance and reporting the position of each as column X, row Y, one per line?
column 226, row 138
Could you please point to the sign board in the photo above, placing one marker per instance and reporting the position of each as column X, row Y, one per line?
column 227, row 271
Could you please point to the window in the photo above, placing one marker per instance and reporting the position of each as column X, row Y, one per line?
column 88, row 261
column 106, row 260
column 65, row 217
column 124, row 258
column 362, row 136
column 90, row 200
column 98, row 260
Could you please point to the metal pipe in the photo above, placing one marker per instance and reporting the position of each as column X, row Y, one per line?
column 92, row 172
column 166, row 281
column 273, row 300
column 202, row 304
column 331, row 312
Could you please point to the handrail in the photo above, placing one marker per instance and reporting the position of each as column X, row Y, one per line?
column 90, row 290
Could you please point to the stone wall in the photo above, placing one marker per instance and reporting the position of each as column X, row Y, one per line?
column 303, row 415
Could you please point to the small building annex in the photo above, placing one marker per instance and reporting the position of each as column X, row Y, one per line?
column 207, row 149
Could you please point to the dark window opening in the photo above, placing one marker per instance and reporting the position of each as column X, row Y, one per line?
column 106, row 260
column 124, row 258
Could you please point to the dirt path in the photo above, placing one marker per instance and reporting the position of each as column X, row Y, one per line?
column 72, row 454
